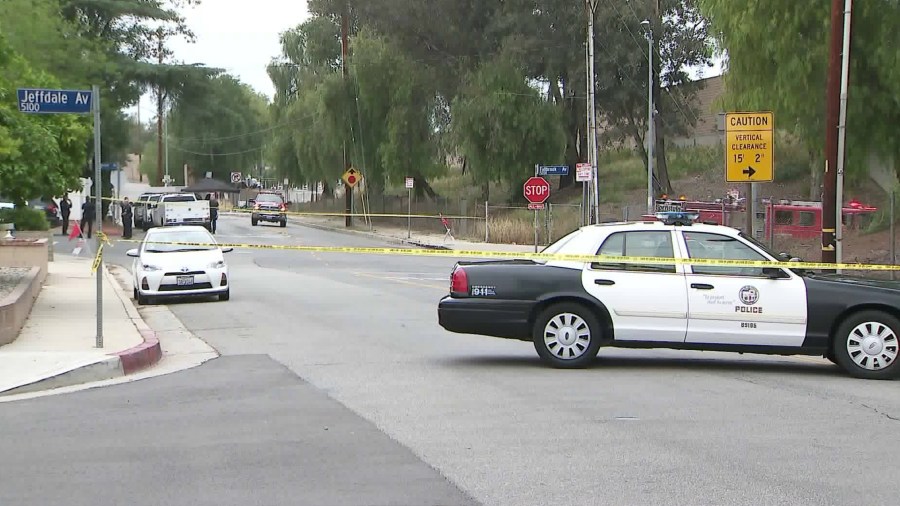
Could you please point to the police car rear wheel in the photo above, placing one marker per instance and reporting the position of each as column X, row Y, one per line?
column 567, row 335
column 867, row 346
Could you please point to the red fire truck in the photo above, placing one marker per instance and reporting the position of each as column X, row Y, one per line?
column 803, row 219
column 799, row 219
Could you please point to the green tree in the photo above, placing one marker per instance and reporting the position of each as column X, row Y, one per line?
column 39, row 154
column 796, row 40
column 130, row 34
column 504, row 126
column 312, row 106
column 220, row 128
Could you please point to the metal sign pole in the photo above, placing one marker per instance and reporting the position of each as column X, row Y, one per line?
column 535, row 231
column 409, row 215
column 98, row 212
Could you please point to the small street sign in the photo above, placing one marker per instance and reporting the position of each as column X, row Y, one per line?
column 410, row 183
column 167, row 179
column 536, row 190
column 749, row 150
column 583, row 172
column 40, row 101
column 109, row 166
column 553, row 170
column 236, row 177
column 535, row 207
column 351, row 177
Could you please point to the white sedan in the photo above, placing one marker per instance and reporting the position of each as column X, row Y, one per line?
column 179, row 261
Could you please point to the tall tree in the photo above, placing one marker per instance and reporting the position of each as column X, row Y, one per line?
column 128, row 33
column 796, row 37
column 680, row 41
column 504, row 126
column 220, row 128
column 40, row 155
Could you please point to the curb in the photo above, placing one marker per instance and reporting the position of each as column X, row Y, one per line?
column 145, row 354
column 371, row 235
column 114, row 365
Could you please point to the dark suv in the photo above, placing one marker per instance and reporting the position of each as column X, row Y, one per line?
column 269, row 207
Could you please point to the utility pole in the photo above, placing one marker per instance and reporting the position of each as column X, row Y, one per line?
column 833, row 103
column 592, row 114
column 159, row 112
column 842, row 135
column 345, row 50
column 651, row 132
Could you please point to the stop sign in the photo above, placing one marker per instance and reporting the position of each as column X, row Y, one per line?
column 536, row 190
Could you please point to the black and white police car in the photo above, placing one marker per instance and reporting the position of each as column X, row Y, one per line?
column 569, row 309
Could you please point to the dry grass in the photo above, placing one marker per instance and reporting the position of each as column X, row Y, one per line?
column 516, row 226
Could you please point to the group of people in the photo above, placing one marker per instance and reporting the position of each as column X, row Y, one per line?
column 89, row 211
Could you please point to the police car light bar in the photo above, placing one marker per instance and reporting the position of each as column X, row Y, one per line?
column 678, row 218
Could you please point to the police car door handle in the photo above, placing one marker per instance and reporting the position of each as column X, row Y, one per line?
column 702, row 286
column 604, row 282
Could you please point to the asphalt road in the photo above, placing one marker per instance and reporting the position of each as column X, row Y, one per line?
column 641, row 427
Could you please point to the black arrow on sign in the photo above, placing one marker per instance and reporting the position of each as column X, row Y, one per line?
column 749, row 171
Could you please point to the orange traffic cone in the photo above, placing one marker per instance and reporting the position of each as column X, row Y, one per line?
column 76, row 231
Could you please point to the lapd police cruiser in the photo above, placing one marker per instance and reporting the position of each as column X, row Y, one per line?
column 569, row 309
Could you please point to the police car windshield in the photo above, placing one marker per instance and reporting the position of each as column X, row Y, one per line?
column 558, row 245
column 759, row 245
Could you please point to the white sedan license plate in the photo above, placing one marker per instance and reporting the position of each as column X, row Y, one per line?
column 185, row 280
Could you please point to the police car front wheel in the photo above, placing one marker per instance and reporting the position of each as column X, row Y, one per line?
column 567, row 335
column 866, row 345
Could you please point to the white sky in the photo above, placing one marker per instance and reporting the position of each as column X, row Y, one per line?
column 240, row 36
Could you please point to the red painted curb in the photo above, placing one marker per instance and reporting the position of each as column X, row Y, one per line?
column 143, row 355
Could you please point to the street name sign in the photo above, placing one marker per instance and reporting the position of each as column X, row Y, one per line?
column 553, row 170
column 749, row 150
column 40, row 101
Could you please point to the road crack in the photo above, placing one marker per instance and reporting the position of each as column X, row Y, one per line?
column 889, row 417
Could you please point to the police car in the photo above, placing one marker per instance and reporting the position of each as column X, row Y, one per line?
column 569, row 309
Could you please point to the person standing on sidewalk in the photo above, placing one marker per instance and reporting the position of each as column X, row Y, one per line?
column 88, row 209
column 127, row 214
column 65, row 209
column 213, row 212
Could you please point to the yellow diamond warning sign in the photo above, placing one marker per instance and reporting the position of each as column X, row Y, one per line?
column 749, row 147
column 351, row 177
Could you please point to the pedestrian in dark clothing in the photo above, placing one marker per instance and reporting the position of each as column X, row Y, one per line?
column 127, row 215
column 213, row 212
column 88, row 209
column 65, row 209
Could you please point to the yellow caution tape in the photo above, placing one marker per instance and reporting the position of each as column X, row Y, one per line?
column 97, row 259
column 541, row 256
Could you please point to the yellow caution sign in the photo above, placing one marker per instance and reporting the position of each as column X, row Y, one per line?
column 352, row 177
column 749, row 147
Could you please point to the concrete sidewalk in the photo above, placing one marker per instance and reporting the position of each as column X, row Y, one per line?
column 56, row 347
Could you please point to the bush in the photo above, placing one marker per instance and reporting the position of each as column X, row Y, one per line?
column 25, row 219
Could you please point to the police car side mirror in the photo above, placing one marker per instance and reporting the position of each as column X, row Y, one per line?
column 774, row 273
